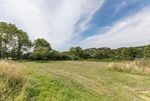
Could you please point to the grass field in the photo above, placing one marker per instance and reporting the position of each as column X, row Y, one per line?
column 82, row 81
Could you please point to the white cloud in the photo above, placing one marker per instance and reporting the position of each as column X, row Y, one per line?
column 54, row 20
column 131, row 31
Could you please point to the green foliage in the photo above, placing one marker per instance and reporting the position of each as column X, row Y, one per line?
column 41, row 50
column 147, row 51
column 65, row 56
column 131, row 53
column 42, row 43
column 102, row 53
column 76, row 53
column 54, row 55
column 23, row 43
column 13, row 41
column 40, row 53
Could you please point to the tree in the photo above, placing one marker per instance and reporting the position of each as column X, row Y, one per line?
column 99, row 54
column 76, row 53
column 89, row 53
column 3, row 34
column 13, row 41
column 131, row 53
column 23, row 43
column 147, row 51
column 41, row 50
column 54, row 55
column 86, row 54
column 7, row 32
column 102, row 53
column 65, row 56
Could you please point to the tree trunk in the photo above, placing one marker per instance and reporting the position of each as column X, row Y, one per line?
column 19, row 51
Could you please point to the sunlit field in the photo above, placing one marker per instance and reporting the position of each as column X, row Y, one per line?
column 74, row 81
column 75, row 50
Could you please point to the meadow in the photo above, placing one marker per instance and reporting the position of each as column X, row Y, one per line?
column 74, row 81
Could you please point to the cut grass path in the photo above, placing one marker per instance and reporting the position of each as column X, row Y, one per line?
column 85, row 81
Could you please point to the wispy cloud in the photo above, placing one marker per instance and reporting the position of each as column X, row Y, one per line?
column 54, row 20
column 63, row 22
column 134, row 30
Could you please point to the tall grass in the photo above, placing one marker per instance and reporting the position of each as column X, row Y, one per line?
column 137, row 66
column 12, row 80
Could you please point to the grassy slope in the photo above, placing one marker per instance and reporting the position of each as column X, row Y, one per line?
column 84, row 81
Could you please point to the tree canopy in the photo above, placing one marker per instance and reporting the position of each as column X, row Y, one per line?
column 41, row 50
column 13, row 41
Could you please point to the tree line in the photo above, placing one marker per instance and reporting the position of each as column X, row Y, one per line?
column 15, row 44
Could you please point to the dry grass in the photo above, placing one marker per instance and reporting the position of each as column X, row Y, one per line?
column 138, row 66
column 12, row 80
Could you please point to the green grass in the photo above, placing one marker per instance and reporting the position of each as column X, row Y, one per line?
column 76, row 81
column 84, row 81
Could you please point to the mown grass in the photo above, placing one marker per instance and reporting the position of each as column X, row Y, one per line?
column 84, row 81
column 88, row 81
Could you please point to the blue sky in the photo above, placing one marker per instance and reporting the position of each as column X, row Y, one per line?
column 85, row 23
column 113, row 11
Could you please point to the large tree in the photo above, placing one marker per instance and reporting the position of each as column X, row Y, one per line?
column 6, row 37
column 13, row 41
column 41, row 50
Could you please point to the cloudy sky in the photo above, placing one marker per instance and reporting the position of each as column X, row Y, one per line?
column 85, row 23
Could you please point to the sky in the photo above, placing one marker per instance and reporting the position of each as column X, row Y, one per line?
column 85, row 23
